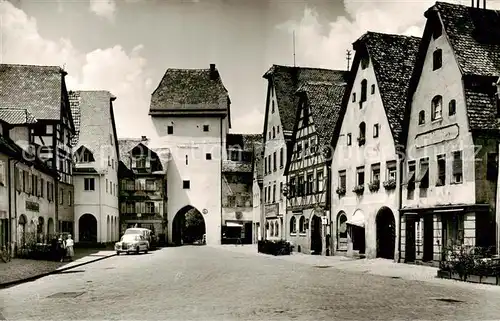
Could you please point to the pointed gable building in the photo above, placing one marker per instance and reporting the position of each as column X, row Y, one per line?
column 279, row 121
column 364, row 163
column 307, row 166
column 451, row 166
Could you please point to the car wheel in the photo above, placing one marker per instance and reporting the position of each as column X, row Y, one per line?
column 117, row 252
column 137, row 250
column 146, row 252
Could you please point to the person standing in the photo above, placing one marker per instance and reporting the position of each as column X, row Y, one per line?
column 70, row 252
column 61, row 248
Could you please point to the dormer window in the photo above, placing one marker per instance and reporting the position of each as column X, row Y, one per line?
column 421, row 117
column 83, row 155
column 363, row 91
column 437, row 59
column 437, row 108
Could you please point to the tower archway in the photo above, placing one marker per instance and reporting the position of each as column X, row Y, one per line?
column 87, row 225
column 188, row 227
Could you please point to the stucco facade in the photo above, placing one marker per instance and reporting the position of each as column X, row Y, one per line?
column 448, row 197
column 194, row 180
column 376, row 158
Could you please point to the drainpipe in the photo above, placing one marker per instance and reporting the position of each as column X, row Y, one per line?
column 221, row 160
column 9, row 226
column 400, row 203
column 328, row 205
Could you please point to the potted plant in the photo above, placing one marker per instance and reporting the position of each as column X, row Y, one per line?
column 374, row 186
column 390, row 184
column 359, row 189
column 340, row 191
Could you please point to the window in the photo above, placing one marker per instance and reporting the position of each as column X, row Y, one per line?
column 441, row 169
column 457, row 167
column 312, row 148
column 360, row 176
column 265, row 194
column 391, row 170
column 272, row 106
column 310, row 184
column 306, row 148
column 170, row 130
column 452, row 107
column 269, row 135
column 110, row 187
column 423, row 177
column 274, row 133
column 274, row 193
column 281, row 190
column 277, row 129
column 353, row 97
column 265, row 165
column 343, row 179
column 363, row 91
column 61, row 196
column 362, row 134
column 293, row 225
column 89, row 184
column 111, row 139
column 373, row 89
column 437, row 107
column 375, row 130
column 113, row 164
column 106, row 185
column 319, row 181
column 302, row 224
column 292, row 187
column 187, row 160
column 206, row 128
column 281, row 158
column 492, row 167
column 274, row 161
column 411, row 179
column 421, row 117
column 186, row 184
column 150, row 207
column 208, row 156
column 70, row 198
column 365, row 61
column 300, row 186
column 437, row 59
column 140, row 162
column 42, row 187
column 375, row 173
column 349, row 139
column 299, row 149
column 150, row 185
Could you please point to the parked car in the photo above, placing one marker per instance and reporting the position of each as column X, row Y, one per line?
column 131, row 243
column 147, row 233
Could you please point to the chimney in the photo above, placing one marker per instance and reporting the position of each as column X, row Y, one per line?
column 144, row 138
column 213, row 72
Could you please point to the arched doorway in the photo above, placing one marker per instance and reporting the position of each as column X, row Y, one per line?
column 50, row 228
column 316, row 241
column 188, row 226
column 341, row 231
column 386, row 233
column 356, row 230
column 87, row 228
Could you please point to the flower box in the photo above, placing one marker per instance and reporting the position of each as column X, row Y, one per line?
column 341, row 191
column 374, row 186
column 359, row 189
column 390, row 184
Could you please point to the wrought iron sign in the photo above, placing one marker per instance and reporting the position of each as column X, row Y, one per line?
column 32, row 206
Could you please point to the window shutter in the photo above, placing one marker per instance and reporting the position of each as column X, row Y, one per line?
column 157, row 207
column 138, row 208
column 124, row 208
column 143, row 207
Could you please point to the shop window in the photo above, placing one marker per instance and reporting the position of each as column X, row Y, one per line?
column 441, row 169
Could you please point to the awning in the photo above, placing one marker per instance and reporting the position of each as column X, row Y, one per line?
column 358, row 219
column 410, row 179
column 233, row 224
column 422, row 175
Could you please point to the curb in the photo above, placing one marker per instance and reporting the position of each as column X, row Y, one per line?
column 38, row 276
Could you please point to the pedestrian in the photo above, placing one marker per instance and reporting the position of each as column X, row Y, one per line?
column 61, row 246
column 70, row 252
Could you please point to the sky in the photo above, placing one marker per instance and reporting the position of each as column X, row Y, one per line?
column 125, row 46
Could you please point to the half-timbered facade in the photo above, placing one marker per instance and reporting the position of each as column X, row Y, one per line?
column 41, row 92
column 365, row 199
column 451, row 168
column 280, row 115
column 307, row 170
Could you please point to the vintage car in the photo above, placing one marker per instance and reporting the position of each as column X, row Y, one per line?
column 147, row 233
column 132, row 243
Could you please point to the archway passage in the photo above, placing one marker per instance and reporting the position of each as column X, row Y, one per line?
column 188, row 227
column 316, row 241
column 342, row 231
column 386, row 233
column 87, row 225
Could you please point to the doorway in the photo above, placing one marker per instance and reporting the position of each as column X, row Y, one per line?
column 428, row 254
column 188, row 227
column 410, row 240
column 316, row 241
column 386, row 233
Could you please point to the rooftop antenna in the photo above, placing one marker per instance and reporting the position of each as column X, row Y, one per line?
column 294, row 48
column 348, row 59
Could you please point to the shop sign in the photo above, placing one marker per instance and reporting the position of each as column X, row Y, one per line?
column 32, row 206
column 271, row 210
